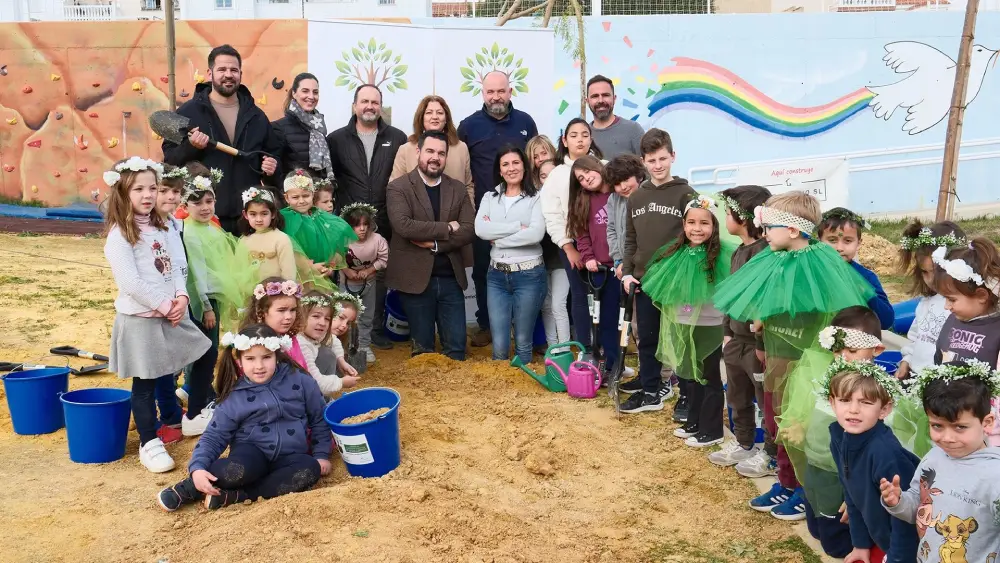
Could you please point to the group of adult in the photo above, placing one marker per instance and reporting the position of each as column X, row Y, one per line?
column 426, row 186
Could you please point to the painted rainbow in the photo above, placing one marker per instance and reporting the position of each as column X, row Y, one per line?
column 700, row 82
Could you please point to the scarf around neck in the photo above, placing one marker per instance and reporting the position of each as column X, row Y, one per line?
column 319, row 151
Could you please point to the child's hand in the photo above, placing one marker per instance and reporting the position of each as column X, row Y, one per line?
column 858, row 554
column 890, row 491
column 324, row 466
column 350, row 380
column 208, row 319
column 350, row 274
column 756, row 326
column 346, row 368
column 176, row 312
column 843, row 513
column 203, row 482
column 628, row 281
column 903, row 371
column 618, row 271
column 591, row 265
column 573, row 257
column 320, row 268
column 761, row 357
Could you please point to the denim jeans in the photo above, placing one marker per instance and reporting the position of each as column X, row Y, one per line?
column 517, row 297
column 579, row 313
column 441, row 304
column 166, row 400
column 610, row 297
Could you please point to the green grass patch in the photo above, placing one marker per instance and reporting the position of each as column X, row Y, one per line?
column 983, row 226
column 18, row 201
column 782, row 551
column 15, row 280
column 28, row 234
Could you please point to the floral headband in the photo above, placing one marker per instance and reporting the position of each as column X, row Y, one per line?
column 735, row 207
column 350, row 298
column 179, row 172
column 322, row 301
column 961, row 270
column 243, row 342
column 288, row 288
column 701, row 202
column 926, row 238
column 837, row 338
column 867, row 369
column 848, row 215
column 768, row 216
column 300, row 181
column 198, row 184
column 358, row 206
column 257, row 194
column 133, row 164
column 322, row 182
column 953, row 372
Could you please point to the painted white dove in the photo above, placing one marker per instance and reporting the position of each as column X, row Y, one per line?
column 926, row 91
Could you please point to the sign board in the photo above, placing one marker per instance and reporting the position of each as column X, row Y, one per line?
column 827, row 180
column 866, row 4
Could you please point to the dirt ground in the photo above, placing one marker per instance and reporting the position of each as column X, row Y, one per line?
column 495, row 468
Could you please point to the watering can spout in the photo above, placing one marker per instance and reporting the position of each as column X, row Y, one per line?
column 516, row 362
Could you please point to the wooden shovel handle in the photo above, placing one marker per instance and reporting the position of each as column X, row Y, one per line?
column 227, row 149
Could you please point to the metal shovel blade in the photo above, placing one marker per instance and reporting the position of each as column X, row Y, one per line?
column 170, row 125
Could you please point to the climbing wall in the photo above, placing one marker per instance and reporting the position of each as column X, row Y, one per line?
column 74, row 97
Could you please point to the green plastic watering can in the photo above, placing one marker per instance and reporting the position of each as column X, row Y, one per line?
column 556, row 356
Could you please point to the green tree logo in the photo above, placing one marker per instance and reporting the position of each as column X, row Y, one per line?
column 489, row 59
column 370, row 64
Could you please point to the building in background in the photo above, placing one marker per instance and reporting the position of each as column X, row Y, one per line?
column 109, row 10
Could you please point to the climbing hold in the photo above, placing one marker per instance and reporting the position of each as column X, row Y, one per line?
column 262, row 101
column 59, row 115
column 198, row 78
column 8, row 167
column 95, row 194
column 184, row 93
column 96, row 84
column 27, row 89
column 112, row 142
column 11, row 121
column 81, row 170
column 36, row 144
column 92, row 114
column 136, row 87
column 57, row 174
column 165, row 79
column 55, row 77
column 80, row 143
column 277, row 84
column 34, row 189
column 3, row 70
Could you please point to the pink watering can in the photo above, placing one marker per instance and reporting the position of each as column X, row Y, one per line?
column 583, row 380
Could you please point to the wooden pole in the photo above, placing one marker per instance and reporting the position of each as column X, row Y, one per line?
column 168, row 9
column 953, row 140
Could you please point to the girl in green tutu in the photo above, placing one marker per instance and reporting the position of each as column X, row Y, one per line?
column 681, row 281
column 319, row 236
column 791, row 290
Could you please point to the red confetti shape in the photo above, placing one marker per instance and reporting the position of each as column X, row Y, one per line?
column 92, row 114
column 8, row 168
column 607, row 26
column 164, row 80
column 27, row 89
column 96, row 84
column 627, row 41
column 81, row 170
column 56, row 174
column 650, row 53
column 605, row 60
column 653, row 67
column 36, row 144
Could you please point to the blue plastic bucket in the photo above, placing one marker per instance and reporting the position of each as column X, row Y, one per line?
column 905, row 312
column 889, row 360
column 97, row 424
column 33, row 399
column 396, row 326
column 372, row 448
column 758, row 436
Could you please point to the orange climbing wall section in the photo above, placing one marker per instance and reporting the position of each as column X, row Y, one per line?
column 74, row 97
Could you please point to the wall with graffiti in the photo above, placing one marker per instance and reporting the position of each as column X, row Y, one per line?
column 760, row 88
column 74, row 97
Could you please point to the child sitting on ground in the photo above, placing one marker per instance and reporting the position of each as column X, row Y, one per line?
column 319, row 310
column 841, row 228
column 954, row 496
column 365, row 258
column 865, row 451
column 277, row 445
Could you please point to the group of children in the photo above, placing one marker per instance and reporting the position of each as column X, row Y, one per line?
column 779, row 298
column 179, row 281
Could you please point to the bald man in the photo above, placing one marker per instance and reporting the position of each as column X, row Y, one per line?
column 485, row 132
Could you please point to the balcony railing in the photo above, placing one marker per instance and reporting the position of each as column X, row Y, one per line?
column 88, row 13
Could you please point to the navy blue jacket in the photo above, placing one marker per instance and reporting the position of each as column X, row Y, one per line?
column 272, row 416
column 485, row 135
column 863, row 460
column 880, row 303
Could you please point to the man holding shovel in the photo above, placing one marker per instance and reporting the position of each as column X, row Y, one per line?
column 225, row 111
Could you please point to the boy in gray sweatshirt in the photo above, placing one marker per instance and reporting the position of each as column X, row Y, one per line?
column 954, row 498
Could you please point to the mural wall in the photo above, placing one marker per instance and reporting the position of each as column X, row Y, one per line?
column 74, row 97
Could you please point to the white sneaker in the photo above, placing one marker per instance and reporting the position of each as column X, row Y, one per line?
column 731, row 454
column 196, row 426
column 369, row 355
column 629, row 373
column 182, row 395
column 760, row 465
column 155, row 457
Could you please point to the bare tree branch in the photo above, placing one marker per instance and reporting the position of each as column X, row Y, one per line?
column 505, row 17
column 533, row 9
column 582, row 52
column 548, row 13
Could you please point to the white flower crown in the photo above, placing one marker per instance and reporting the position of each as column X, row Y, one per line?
column 868, row 369
column 961, row 271
column 243, row 342
column 133, row 164
column 836, row 338
column 322, row 301
column 179, row 172
column 353, row 299
column 299, row 182
column 973, row 368
column 257, row 194
column 767, row 216
column 701, row 202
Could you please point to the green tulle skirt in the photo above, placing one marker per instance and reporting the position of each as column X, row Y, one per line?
column 216, row 260
column 814, row 279
column 320, row 236
column 804, row 430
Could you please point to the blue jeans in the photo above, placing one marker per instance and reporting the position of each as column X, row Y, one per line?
column 441, row 304
column 610, row 296
column 579, row 313
column 517, row 297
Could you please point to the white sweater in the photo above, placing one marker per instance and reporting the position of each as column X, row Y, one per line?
column 555, row 203
column 147, row 275
column 923, row 334
column 328, row 384
column 511, row 243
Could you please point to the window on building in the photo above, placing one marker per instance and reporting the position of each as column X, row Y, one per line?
column 386, row 2
column 223, row 4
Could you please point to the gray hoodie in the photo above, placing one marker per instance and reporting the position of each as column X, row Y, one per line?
column 617, row 215
column 955, row 504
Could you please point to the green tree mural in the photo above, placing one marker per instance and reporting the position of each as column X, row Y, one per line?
column 486, row 61
column 371, row 63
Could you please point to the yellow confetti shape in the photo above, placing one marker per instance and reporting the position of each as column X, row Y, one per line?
column 112, row 142
column 559, row 84
column 12, row 121
column 34, row 189
column 198, row 78
column 616, row 81
column 262, row 101
column 640, row 79
column 136, row 87
column 55, row 77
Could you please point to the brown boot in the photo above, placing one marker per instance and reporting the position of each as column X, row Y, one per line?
column 482, row 338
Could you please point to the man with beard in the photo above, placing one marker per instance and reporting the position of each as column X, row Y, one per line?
column 224, row 110
column 361, row 154
column 615, row 136
column 485, row 131
column 433, row 222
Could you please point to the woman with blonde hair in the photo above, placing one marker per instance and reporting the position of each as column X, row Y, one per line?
column 433, row 114
column 539, row 150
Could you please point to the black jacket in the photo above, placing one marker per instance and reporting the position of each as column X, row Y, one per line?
column 253, row 133
column 293, row 137
column 355, row 182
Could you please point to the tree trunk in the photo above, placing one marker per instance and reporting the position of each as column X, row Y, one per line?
column 582, row 52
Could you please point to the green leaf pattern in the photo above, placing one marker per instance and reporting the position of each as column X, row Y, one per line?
column 370, row 63
column 491, row 58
